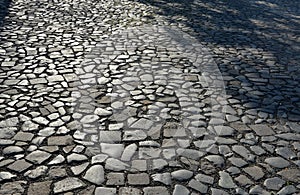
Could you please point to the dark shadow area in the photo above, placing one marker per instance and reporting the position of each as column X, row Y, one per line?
column 257, row 48
column 4, row 4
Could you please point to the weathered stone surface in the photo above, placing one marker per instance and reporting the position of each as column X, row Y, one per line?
column 67, row 184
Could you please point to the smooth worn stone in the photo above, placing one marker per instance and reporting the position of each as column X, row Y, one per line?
column 255, row 172
column 274, row 183
column 41, row 188
column 67, row 184
column 277, row 162
column 57, row 160
column 12, row 150
column 189, row 153
column 79, row 168
column 95, row 174
column 180, row 190
column 115, row 179
column 198, row 186
column 102, row 112
column 76, row 158
column 105, row 190
column 290, row 174
column 87, row 191
column 138, row 179
column 38, row 156
column 129, row 191
column 164, row 178
column 89, row 119
column 156, row 190
column 262, row 130
column 225, row 180
column 19, row 165
column 182, row 175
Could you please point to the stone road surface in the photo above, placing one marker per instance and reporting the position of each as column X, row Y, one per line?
column 149, row 97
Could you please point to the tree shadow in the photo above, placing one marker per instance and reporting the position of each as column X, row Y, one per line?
column 257, row 49
column 4, row 4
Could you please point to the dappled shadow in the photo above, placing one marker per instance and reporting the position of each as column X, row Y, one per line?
column 4, row 4
column 257, row 48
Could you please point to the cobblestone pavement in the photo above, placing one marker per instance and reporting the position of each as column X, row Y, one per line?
column 149, row 97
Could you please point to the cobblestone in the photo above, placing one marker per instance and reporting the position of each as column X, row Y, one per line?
column 149, row 97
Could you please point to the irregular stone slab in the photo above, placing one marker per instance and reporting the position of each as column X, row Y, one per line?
column 290, row 175
column 95, row 174
column 277, row 162
column 37, row 172
column 274, row 183
column 113, row 150
column 290, row 189
column 115, row 165
column 76, row 158
column 180, row 190
column 198, row 186
column 244, row 152
column 204, row 178
column 255, row 172
column 19, row 166
column 40, row 188
column 128, row 153
column 70, row 183
column 102, row 112
column 289, row 136
column 164, row 178
column 262, row 130
column 225, row 180
column 60, row 140
column 6, row 175
column 22, row 136
column 134, row 135
column 142, row 124
column 38, row 156
column 215, row 191
column 224, row 130
column 15, row 188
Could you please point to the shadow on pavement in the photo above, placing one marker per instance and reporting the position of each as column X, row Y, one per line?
column 256, row 44
column 4, row 4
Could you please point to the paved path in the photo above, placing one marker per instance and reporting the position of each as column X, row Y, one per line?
column 149, row 97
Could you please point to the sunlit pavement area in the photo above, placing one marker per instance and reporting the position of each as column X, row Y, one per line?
column 149, row 97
